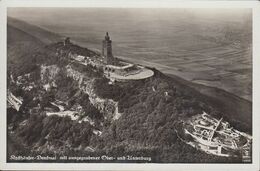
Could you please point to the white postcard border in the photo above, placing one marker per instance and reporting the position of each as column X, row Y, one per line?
column 132, row 4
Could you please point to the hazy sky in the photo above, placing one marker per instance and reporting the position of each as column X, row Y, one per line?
column 45, row 13
column 170, row 39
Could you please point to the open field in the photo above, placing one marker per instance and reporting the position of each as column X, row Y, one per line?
column 207, row 64
column 213, row 48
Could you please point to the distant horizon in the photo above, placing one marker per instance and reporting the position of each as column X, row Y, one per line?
column 198, row 45
column 167, row 85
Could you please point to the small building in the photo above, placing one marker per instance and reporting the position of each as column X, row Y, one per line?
column 123, row 70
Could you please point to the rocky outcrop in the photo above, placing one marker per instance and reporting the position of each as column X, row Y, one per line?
column 108, row 107
column 48, row 73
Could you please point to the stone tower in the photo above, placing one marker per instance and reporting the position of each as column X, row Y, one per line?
column 67, row 41
column 107, row 50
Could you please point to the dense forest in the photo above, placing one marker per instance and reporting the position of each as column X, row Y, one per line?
column 149, row 109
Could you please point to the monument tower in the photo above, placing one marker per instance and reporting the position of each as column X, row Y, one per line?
column 107, row 50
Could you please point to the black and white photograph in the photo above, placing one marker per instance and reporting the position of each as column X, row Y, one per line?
column 129, row 85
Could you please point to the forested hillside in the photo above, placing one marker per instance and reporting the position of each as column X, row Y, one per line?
column 148, row 108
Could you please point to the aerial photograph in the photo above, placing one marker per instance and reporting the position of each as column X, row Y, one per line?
column 129, row 85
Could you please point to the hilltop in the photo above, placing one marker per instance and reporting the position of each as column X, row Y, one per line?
column 134, row 117
column 41, row 34
column 23, row 41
